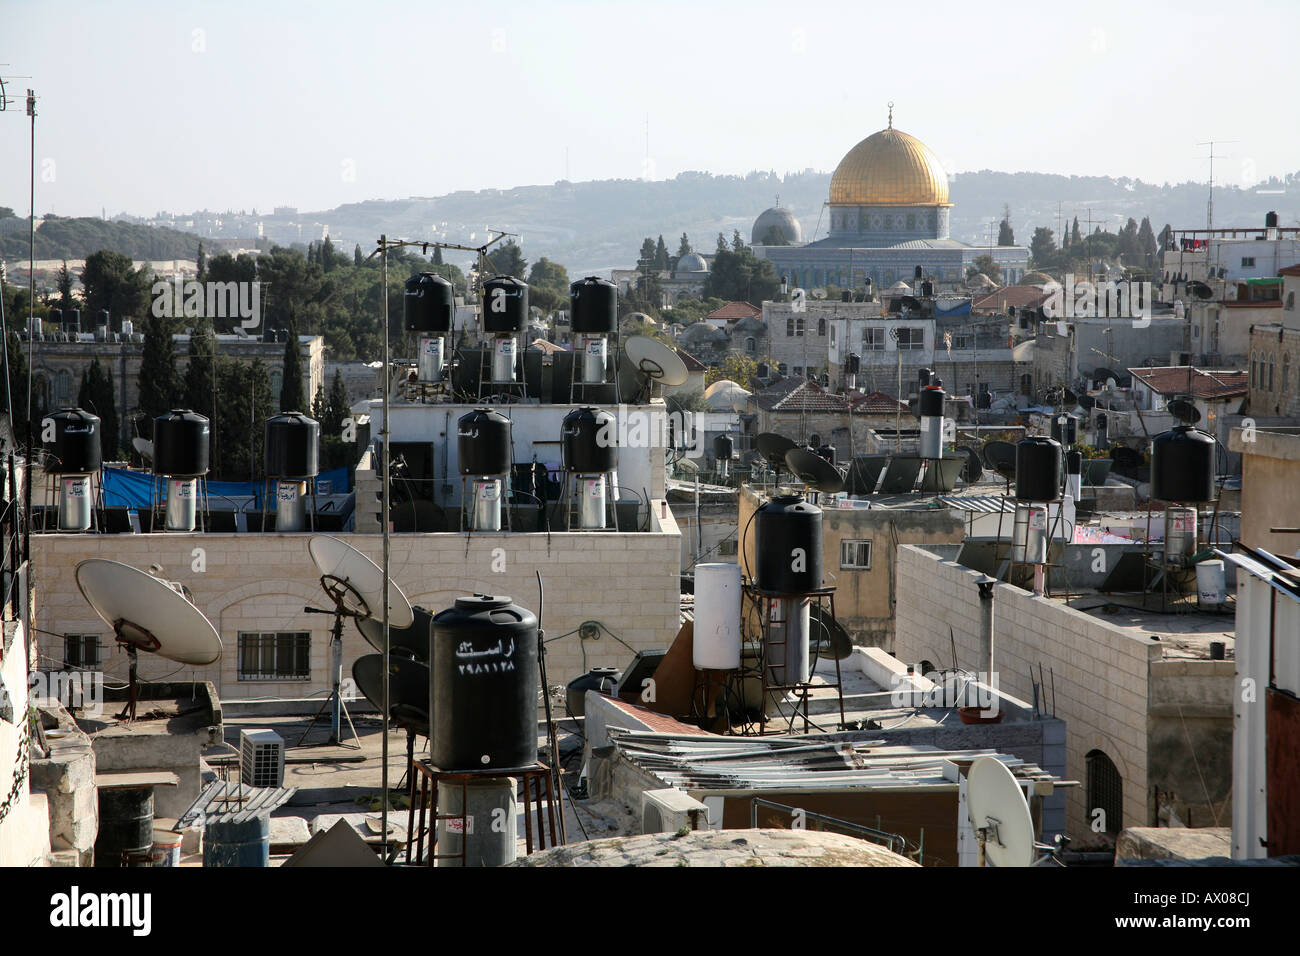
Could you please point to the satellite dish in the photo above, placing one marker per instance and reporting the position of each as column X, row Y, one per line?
column 814, row 471
column 356, row 582
column 144, row 447
column 410, row 641
column 147, row 614
column 1001, row 457
column 408, row 689
column 826, row 628
column 773, row 448
column 1185, row 411
column 999, row 814
column 818, row 293
column 909, row 303
column 1200, row 289
column 973, row 470
column 655, row 361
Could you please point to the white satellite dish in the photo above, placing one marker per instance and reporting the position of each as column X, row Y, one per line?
column 144, row 447
column 655, row 361
column 999, row 814
column 818, row 293
column 357, row 582
column 147, row 614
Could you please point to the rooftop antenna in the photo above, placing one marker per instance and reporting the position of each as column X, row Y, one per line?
column 1209, row 206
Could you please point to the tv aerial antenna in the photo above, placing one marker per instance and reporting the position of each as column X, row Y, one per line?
column 355, row 586
column 999, row 814
column 1209, row 206
column 147, row 614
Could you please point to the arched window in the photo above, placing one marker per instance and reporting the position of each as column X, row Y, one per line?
column 1254, row 370
column 750, row 345
column 789, row 327
column 1286, row 372
column 1026, row 385
column 1270, row 371
column 1105, row 792
column 821, row 327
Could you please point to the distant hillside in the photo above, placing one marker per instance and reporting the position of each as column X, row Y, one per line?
column 69, row 238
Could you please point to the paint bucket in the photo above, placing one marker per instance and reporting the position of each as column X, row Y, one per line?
column 238, row 843
column 1211, row 585
column 166, row 848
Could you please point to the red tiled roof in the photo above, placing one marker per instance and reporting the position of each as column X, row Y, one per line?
column 1172, row 380
column 735, row 310
column 1020, row 296
column 797, row 395
column 877, row 403
column 690, row 361
column 1290, row 270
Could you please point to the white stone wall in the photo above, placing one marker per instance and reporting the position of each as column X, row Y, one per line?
column 1100, row 671
column 252, row 582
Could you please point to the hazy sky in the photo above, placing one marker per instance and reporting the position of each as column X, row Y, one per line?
column 150, row 105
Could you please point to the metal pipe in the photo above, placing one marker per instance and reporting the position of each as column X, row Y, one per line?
column 986, row 626
column 384, row 434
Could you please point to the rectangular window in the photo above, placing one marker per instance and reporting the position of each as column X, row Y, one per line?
column 911, row 340
column 81, row 652
column 963, row 343
column 276, row 655
column 873, row 340
column 1248, row 262
column 856, row 554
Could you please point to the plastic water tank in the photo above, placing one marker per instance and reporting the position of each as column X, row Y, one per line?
column 589, row 441
column 505, row 305
column 483, row 443
column 76, row 448
column 788, row 545
column 429, row 303
column 716, row 644
column 1182, row 465
column 292, row 446
column 180, row 444
column 593, row 306
column 484, row 685
column 1038, row 469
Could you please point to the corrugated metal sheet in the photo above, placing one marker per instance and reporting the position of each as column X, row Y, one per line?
column 223, row 802
column 781, row 763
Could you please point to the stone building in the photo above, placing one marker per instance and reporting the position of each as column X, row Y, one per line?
column 1274, row 360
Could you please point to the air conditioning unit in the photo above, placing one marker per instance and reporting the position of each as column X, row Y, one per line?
column 261, row 758
column 667, row 811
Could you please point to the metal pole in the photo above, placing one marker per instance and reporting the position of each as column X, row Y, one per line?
column 383, row 437
column 31, row 263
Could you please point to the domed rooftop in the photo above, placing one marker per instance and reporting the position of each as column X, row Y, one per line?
column 780, row 219
column 692, row 262
column 890, row 168
column 1035, row 278
column 980, row 281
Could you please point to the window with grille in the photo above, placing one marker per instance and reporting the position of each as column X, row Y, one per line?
column 856, row 554
column 873, row 340
column 1248, row 262
column 82, row 652
column 1105, row 792
column 911, row 339
column 277, row 655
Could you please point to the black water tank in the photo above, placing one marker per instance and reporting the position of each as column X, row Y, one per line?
column 75, row 449
column 603, row 680
column 1067, row 434
column 788, row 545
column 827, row 452
column 593, row 306
column 927, row 288
column 180, row 444
column 723, row 447
column 55, row 317
column 103, row 318
column 924, row 376
column 1270, row 220
column 1182, row 465
column 125, row 825
column 72, row 320
column 855, row 363
column 1038, row 469
column 505, row 305
column 483, row 443
column 292, row 446
column 932, row 402
column 484, row 685
column 1073, row 462
column 429, row 303
column 589, row 441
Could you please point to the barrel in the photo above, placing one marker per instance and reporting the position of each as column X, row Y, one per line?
column 600, row 679
column 788, row 545
column 238, row 842
column 125, row 825
column 166, row 848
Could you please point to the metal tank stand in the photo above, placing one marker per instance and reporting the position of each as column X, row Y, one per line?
column 572, row 498
column 158, row 507
column 268, row 483
column 1008, row 573
column 423, row 817
column 712, row 698
column 502, row 390
column 764, row 601
column 467, row 502
column 578, row 389
column 50, row 505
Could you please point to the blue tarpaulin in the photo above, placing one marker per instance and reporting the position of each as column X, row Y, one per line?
column 131, row 489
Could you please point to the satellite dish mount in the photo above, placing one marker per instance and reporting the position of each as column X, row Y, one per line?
column 349, row 603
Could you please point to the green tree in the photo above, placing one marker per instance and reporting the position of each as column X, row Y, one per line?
column 17, row 383
column 985, row 265
column 1166, row 238
column 293, row 398
column 684, row 247
column 1147, row 246
column 201, row 264
column 159, row 383
column 1042, row 247
column 722, row 244
column 1006, row 237
column 200, row 373
column 508, row 259
column 741, row 276
column 112, row 283
column 337, row 406
column 244, row 397
column 96, row 395
column 437, row 255
column 357, row 257
column 1075, row 237
column 737, row 243
column 546, row 274
column 741, row 369
column 65, row 286
column 661, row 255
column 290, row 284
column 645, row 261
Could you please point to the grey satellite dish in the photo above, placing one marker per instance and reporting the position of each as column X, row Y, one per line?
column 147, row 614
column 814, row 471
column 349, row 575
column 818, row 293
column 1185, row 411
column 410, row 641
column 655, row 361
column 408, row 689
column 999, row 815
column 144, row 447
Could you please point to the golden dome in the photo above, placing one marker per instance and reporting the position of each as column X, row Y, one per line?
column 890, row 168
